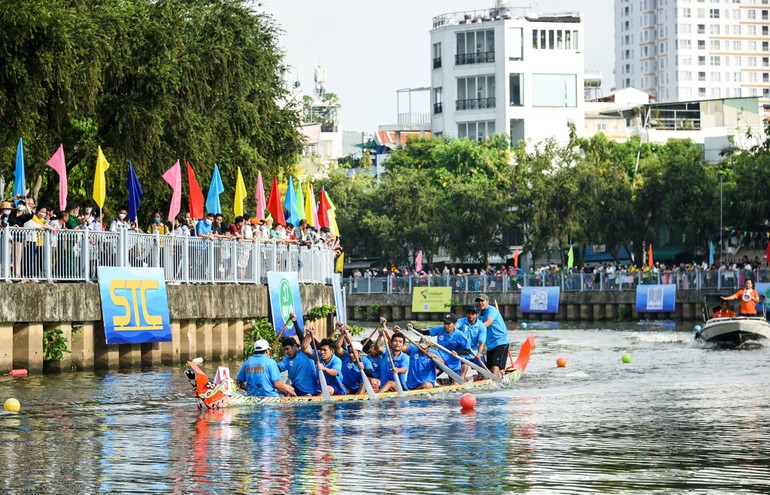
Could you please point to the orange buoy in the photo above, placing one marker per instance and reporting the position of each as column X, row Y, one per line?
column 19, row 372
column 561, row 362
column 468, row 401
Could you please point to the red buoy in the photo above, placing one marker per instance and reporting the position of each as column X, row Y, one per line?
column 561, row 362
column 19, row 372
column 468, row 401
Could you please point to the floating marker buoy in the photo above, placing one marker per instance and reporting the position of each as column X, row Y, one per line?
column 19, row 372
column 561, row 362
column 626, row 358
column 697, row 328
column 198, row 360
column 523, row 324
column 468, row 401
column 12, row 405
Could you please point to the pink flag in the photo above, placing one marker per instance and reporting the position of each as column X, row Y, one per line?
column 174, row 178
column 57, row 163
column 418, row 262
column 261, row 205
column 314, row 209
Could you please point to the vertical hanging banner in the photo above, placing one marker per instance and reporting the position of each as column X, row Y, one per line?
column 655, row 298
column 339, row 298
column 284, row 298
column 540, row 299
column 134, row 305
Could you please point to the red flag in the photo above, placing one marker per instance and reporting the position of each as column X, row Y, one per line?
column 767, row 253
column 649, row 258
column 274, row 203
column 196, row 196
column 516, row 258
column 323, row 210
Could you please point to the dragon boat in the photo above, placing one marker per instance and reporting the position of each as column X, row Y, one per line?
column 222, row 392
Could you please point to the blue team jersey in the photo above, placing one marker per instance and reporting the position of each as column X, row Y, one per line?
column 334, row 382
column 351, row 373
column 476, row 334
column 386, row 372
column 421, row 368
column 302, row 372
column 259, row 372
column 497, row 334
column 454, row 341
column 371, row 363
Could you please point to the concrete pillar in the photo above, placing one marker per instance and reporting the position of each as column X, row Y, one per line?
column 65, row 363
column 106, row 357
column 235, row 334
column 83, row 347
column 549, row 317
column 221, row 338
column 350, row 312
column 6, row 347
column 28, row 347
column 634, row 314
column 573, row 312
column 386, row 312
column 688, row 311
column 151, row 355
column 188, row 340
column 408, row 316
column 423, row 316
column 597, row 312
column 358, row 313
column 677, row 314
column 562, row 312
column 205, row 341
column 170, row 352
column 586, row 312
column 398, row 313
column 509, row 312
column 519, row 314
column 611, row 312
column 130, row 356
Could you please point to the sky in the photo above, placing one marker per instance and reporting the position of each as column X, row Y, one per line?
column 369, row 49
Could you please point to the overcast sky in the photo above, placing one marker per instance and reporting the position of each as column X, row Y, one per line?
column 371, row 49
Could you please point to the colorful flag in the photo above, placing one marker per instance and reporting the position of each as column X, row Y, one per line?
column 300, row 201
column 174, row 178
column 323, row 209
column 711, row 252
column 57, row 163
column 516, row 258
column 240, row 195
column 100, row 181
column 261, row 206
column 290, row 203
column 340, row 263
column 570, row 258
column 134, row 192
column 19, row 181
column 332, row 214
column 418, row 261
column 215, row 189
column 767, row 253
column 649, row 257
column 311, row 213
column 274, row 203
column 196, row 195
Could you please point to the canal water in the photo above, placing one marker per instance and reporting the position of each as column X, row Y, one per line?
column 680, row 418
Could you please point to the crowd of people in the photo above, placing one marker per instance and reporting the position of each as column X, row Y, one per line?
column 402, row 358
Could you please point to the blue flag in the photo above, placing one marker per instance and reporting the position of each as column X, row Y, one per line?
column 711, row 252
column 134, row 192
column 215, row 189
column 290, row 203
column 19, row 182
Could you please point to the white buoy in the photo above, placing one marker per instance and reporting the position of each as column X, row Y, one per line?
column 198, row 360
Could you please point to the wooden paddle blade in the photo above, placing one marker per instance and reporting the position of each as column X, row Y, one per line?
column 324, row 386
column 399, row 388
column 368, row 385
column 524, row 353
column 454, row 376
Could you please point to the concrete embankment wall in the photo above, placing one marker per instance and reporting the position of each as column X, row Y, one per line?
column 573, row 306
column 206, row 320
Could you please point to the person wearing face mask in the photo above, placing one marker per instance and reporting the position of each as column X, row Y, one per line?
column 203, row 229
column 72, row 218
column 33, row 254
column 5, row 214
column 121, row 222
column 157, row 225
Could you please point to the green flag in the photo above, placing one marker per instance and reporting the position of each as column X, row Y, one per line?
column 570, row 258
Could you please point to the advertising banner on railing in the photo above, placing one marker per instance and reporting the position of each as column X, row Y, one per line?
column 339, row 298
column 431, row 299
column 540, row 299
column 284, row 298
column 134, row 305
column 655, row 298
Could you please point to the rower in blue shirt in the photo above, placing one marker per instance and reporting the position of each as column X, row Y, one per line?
column 497, row 335
column 474, row 331
column 329, row 363
column 448, row 337
column 400, row 360
column 301, row 368
column 259, row 375
column 352, row 379
column 422, row 370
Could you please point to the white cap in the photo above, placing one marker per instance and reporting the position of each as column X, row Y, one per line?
column 357, row 346
column 261, row 345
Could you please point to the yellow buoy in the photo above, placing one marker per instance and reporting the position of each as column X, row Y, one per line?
column 12, row 405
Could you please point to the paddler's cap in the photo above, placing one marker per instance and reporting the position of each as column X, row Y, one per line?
column 450, row 318
column 261, row 345
column 6, row 205
column 471, row 309
column 482, row 297
column 357, row 346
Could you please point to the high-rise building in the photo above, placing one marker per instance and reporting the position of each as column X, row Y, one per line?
column 693, row 49
column 507, row 70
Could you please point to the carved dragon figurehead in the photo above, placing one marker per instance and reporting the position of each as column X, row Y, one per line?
column 208, row 394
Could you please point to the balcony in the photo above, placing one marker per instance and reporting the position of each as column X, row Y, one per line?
column 437, row 63
column 474, row 58
column 438, row 108
column 475, row 104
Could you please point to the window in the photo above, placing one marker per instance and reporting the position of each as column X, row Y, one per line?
column 438, row 100
column 765, row 46
column 517, row 131
column 575, row 41
column 715, row 76
column 475, row 93
column 701, row 44
column 765, row 15
column 475, row 47
column 751, row 14
column 765, row 31
column 515, row 43
column 716, row 44
column 684, row 44
column 686, row 13
column 714, row 29
column 714, row 13
column 702, row 92
column 736, row 45
column 685, row 75
column 737, row 77
column 684, row 28
column 686, row 60
column 551, row 44
column 554, row 90
column 701, row 60
column 765, row 77
column 476, row 131
column 436, row 55
column 516, row 88
column 701, row 29
column 765, row 62
column 701, row 76
column 716, row 60
column 716, row 93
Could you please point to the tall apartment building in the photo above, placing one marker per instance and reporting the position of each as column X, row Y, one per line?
column 505, row 70
column 691, row 49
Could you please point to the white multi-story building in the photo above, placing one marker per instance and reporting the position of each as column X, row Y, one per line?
column 505, row 70
column 681, row 50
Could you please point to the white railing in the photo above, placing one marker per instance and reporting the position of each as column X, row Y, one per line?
column 75, row 255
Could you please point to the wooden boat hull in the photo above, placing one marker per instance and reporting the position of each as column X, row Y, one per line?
column 734, row 331
column 224, row 394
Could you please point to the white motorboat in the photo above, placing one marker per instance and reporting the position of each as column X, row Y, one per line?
column 731, row 331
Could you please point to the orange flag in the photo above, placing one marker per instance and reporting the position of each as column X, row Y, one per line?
column 649, row 258
column 516, row 258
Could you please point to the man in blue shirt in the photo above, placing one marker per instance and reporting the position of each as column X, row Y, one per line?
column 371, row 360
column 328, row 363
column 474, row 331
column 497, row 335
column 259, row 375
column 422, row 369
column 456, row 342
column 352, row 379
column 400, row 361
column 302, row 370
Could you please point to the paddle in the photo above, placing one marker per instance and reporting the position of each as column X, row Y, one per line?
column 382, row 322
column 356, row 360
column 292, row 317
column 481, row 361
column 443, row 367
column 321, row 376
column 473, row 365
column 396, row 379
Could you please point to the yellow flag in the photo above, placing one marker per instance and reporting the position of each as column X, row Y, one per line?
column 240, row 194
column 100, row 182
column 332, row 214
column 340, row 263
column 309, row 206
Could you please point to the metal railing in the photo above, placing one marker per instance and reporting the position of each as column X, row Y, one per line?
column 75, row 255
column 569, row 282
column 475, row 104
column 474, row 58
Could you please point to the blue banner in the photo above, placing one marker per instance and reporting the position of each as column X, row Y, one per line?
column 339, row 298
column 540, row 299
column 284, row 298
column 134, row 305
column 655, row 298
